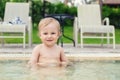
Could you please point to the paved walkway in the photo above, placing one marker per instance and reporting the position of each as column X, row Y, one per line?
column 90, row 51
column 67, row 47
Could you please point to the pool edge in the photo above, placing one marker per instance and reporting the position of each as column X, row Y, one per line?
column 81, row 56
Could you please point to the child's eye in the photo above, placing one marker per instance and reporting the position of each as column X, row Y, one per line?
column 45, row 33
column 53, row 33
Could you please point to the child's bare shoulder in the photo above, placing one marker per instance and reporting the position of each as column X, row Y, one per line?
column 37, row 47
column 60, row 48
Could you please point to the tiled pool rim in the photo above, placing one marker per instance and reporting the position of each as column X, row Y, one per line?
column 81, row 56
column 90, row 52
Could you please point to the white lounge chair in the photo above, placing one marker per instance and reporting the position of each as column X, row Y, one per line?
column 89, row 22
column 21, row 10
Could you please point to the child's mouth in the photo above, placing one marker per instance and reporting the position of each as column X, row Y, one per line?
column 49, row 40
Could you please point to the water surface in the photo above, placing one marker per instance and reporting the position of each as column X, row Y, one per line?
column 77, row 70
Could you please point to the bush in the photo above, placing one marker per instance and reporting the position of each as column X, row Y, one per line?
column 60, row 8
column 113, row 13
column 36, row 11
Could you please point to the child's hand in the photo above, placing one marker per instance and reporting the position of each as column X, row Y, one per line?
column 41, row 64
column 63, row 64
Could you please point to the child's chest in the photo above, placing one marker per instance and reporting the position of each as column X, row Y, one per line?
column 50, row 53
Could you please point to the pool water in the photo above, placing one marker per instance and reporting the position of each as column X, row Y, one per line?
column 77, row 70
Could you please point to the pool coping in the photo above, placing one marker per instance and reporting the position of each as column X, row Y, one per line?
column 90, row 52
column 81, row 56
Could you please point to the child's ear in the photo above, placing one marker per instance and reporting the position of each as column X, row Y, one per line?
column 59, row 34
column 38, row 34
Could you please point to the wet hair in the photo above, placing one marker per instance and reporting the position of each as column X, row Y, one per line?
column 46, row 21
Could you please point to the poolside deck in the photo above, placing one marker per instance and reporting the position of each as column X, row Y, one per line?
column 88, row 52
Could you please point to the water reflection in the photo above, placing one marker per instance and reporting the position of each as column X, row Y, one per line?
column 78, row 70
column 49, row 73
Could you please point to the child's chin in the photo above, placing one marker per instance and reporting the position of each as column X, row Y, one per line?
column 50, row 45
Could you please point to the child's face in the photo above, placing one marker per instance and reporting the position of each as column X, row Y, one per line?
column 49, row 34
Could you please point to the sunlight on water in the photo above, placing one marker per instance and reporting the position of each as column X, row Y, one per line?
column 78, row 70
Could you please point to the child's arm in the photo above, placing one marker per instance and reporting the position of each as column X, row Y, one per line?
column 34, row 57
column 63, row 58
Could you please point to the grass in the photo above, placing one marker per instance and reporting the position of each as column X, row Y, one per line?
column 68, row 31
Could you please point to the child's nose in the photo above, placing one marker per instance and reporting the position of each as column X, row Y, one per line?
column 49, row 35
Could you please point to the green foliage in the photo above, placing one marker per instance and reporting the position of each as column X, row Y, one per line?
column 64, row 9
column 49, row 8
column 2, row 7
column 73, row 11
column 36, row 11
column 60, row 8
column 17, row 0
column 106, row 11
column 113, row 13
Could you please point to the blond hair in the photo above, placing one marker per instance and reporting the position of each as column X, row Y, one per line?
column 46, row 21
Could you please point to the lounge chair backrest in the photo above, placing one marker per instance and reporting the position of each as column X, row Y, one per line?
column 94, row 16
column 13, row 10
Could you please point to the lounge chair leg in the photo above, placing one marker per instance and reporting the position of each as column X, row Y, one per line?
column 113, row 40
column 108, row 39
column 102, row 39
column 2, row 39
column 75, row 25
column 81, row 41
column 24, row 39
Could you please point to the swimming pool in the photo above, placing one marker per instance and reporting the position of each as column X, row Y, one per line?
column 12, row 69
